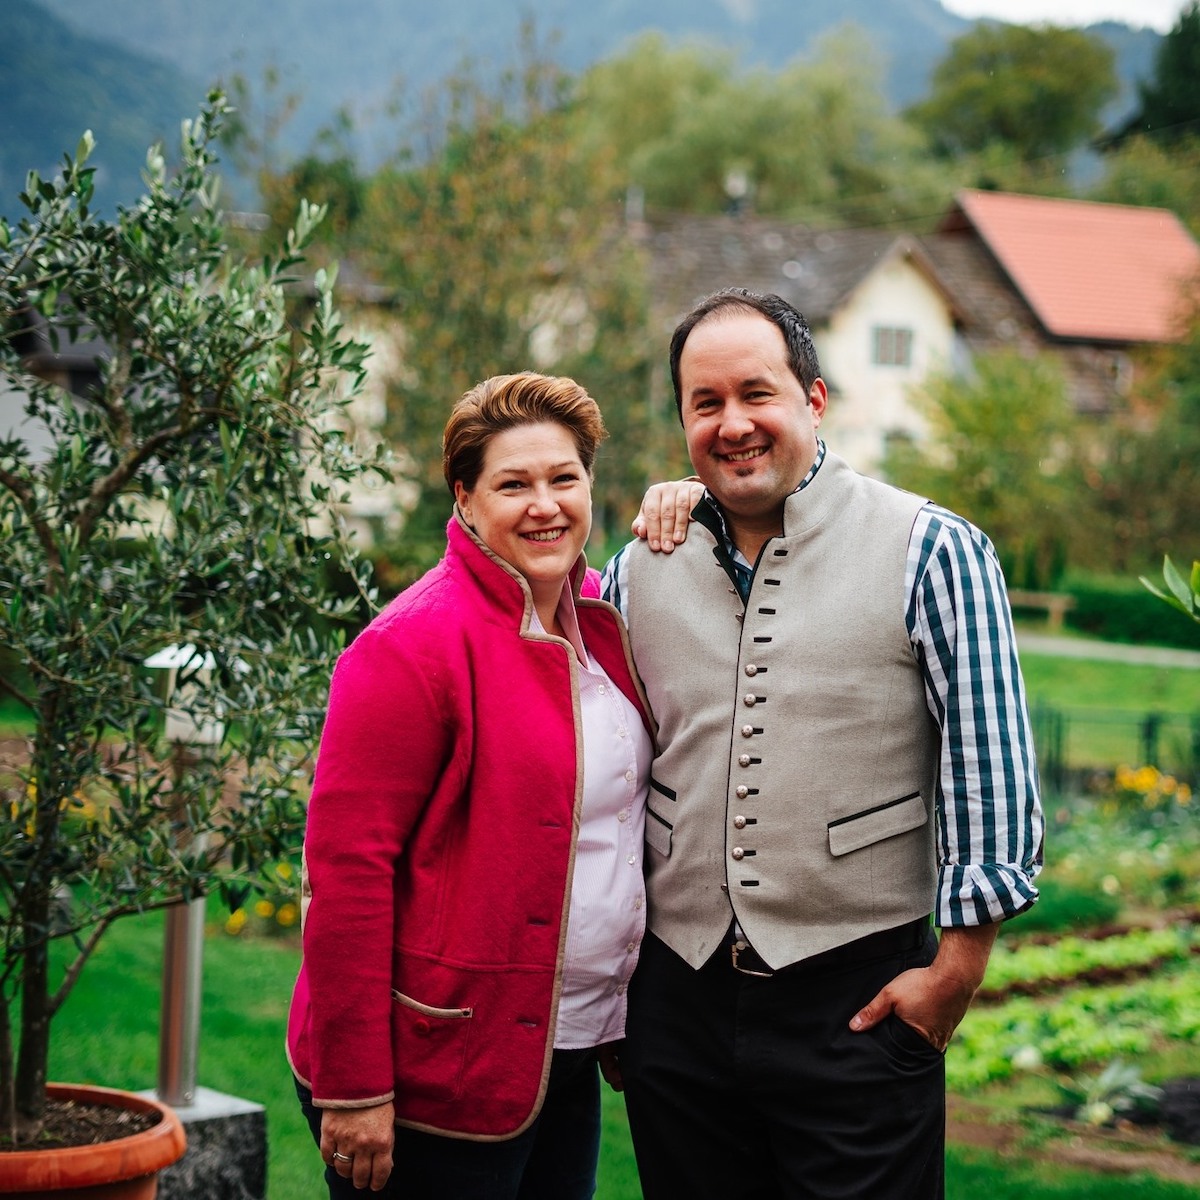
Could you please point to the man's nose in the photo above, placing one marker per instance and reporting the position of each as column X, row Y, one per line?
column 736, row 423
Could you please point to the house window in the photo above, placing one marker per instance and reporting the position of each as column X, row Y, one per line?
column 891, row 346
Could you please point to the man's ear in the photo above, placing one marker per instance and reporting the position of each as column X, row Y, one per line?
column 818, row 398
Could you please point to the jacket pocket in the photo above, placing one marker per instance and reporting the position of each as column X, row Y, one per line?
column 658, row 833
column 876, row 824
column 429, row 1047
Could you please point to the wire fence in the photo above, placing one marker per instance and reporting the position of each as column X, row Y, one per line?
column 1073, row 743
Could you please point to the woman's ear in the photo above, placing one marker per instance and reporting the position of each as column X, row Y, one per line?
column 463, row 499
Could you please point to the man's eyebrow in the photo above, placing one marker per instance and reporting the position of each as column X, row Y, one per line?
column 749, row 382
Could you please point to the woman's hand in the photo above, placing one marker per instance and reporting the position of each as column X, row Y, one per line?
column 665, row 513
column 357, row 1143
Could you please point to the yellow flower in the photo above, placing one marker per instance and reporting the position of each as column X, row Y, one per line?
column 264, row 908
column 287, row 914
column 235, row 921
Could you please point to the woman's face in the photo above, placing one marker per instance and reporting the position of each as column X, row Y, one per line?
column 532, row 503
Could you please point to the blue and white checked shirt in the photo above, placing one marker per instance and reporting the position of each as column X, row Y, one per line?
column 990, row 823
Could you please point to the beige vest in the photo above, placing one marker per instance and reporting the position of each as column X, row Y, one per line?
column 795, row 774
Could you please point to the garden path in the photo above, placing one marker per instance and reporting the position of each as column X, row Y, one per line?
column 1064, row 647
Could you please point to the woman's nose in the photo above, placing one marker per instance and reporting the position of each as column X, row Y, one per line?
column 542, row 501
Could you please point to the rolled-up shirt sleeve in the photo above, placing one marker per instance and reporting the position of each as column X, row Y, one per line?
column 990, row 822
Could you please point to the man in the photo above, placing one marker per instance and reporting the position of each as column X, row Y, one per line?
column 843, row 750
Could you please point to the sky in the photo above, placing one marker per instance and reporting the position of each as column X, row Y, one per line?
column 1155, row 14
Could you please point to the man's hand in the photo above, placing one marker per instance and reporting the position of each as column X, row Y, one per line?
column 357, row 1143
column 934, row 999
column 666, row 510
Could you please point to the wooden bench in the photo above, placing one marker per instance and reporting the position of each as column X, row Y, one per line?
column 1055, row 605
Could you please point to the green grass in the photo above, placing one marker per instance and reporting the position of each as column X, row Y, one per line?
column 1084, row 683
column 108, row 1033
column 1103, row 704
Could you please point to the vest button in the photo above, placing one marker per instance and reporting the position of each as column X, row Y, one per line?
column 737, row 853
column 739, row 822
column 749, row 700
column 743, row 760
column 751, row 669
column 742, row 792
column 747, row 731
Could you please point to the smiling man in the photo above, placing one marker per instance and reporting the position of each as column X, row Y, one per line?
column 844, row 753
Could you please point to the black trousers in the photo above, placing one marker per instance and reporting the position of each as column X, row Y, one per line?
column 746, row 1088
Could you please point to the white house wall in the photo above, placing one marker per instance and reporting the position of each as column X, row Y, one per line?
column 871, row 402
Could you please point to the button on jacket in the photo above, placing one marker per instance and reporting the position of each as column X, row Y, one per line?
column 441, row 838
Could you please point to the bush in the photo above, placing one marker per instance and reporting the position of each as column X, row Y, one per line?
column 1120, row 610
column 1066, row 908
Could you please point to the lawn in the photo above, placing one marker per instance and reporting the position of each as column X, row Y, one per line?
column 108, row 1033
column 1102, row 707
column 108, row 1030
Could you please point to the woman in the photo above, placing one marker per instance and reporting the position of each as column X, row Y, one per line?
column 473, row 856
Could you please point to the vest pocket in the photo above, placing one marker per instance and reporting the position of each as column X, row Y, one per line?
column 658, row 833
column 875, row 824
column 429, row 1046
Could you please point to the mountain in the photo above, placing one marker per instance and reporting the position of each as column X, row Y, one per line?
column 56, row 81
column 131, row 68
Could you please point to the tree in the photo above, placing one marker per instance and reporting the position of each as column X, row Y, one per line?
column 1170, row 102
column 1146, row 170
column 998, row 453
column 1036, row 90
column 813, row 141
column 498, row 235
column 188, row 499
column 1142, row 487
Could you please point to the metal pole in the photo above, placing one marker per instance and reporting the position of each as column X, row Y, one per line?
column 179, row 1025
column 183, row 939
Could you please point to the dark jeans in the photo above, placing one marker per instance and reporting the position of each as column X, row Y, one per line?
column 554, row 1159
column 745, row 1088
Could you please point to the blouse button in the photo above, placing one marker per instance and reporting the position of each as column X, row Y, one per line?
column 421, row 1027
column 737, row 853
column 743, row 760
column 742, row 792
column 739, row 822
column 749, row 700
column 747, row 731
column 751, row 670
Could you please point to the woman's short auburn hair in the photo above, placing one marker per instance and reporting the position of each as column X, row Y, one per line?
column 506, row 401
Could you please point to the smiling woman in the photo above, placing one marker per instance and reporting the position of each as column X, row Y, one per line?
column 473, row 885
column 532, row 505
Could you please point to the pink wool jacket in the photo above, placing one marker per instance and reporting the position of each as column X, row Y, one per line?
column 439, row 850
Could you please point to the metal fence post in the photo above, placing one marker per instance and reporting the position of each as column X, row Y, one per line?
column 183, row 938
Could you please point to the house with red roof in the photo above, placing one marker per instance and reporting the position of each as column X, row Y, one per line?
column 1088, row 283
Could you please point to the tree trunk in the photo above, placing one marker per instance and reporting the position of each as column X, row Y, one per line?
column 34, row 1049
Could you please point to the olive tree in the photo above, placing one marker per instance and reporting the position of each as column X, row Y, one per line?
column 189, row 497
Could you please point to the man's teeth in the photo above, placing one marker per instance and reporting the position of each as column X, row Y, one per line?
column 743, row 455
column 546, row 535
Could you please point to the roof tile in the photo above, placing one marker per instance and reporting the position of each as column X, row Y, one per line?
column 1090, row 271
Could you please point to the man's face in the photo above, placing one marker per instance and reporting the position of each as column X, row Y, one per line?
column 751, row 430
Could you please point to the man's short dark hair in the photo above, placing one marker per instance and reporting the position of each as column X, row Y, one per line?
column 797, row 337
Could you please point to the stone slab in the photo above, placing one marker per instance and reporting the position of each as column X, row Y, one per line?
column 226, row 1158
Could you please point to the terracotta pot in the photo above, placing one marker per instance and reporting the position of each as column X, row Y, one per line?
column 125, row 1169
